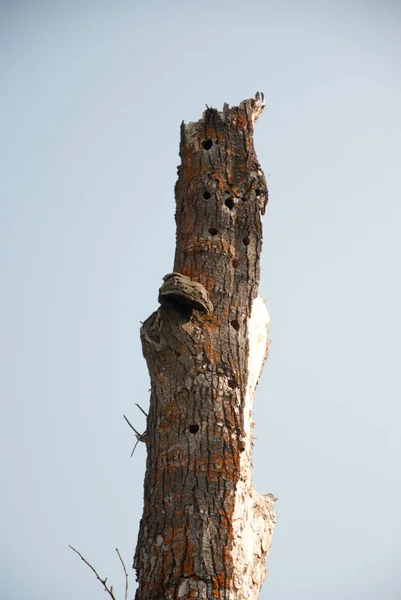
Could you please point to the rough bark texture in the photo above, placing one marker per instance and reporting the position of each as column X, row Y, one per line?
column 205, row 531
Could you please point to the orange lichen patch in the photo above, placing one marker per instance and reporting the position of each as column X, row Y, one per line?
column 240, row 165
column 219, row 580
column 167, row 410
column 218, row 462
column 236, row 191
column 223, row 519
column 212, row 134
column 214, row 474
column 192, row 594
column 179, row 496
column 211, row 354
column 168, row 535
column 188, row 567
column 161, row 377
column 172, row 413
column 239, row 122
column 153, row 586
column 164, row 426
column 221, row 183
column 211, row 322
column 190, row 163
column 195, row 273
column 199, row 245
column 206, row 279
column 220, row 469
column 231, row 420
column 179, row 536
column 186, row 227
column 200, row 464
column 231, row 465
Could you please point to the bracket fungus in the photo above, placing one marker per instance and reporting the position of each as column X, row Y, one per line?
column 181, row 290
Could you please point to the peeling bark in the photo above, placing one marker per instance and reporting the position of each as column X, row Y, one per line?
column 205, row 531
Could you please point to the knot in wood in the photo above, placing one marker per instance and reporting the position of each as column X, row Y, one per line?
column 181, row 290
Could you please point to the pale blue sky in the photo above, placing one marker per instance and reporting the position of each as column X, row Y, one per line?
column 91, row 99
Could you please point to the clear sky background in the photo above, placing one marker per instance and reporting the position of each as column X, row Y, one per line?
column 92, row 94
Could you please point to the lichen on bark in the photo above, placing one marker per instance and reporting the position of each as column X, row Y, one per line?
column 205, row 531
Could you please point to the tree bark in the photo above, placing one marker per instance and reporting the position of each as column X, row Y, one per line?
column 205, row 531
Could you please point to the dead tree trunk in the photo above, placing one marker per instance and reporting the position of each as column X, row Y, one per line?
column 205, row 531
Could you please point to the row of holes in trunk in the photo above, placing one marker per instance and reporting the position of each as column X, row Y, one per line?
column 207, row 144
column 246, row 241
column 194, row 428
column 229, row 202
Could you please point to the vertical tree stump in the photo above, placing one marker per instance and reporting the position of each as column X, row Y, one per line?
column 205, row 531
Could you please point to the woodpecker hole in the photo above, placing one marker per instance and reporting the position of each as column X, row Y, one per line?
column 246, row 241
column 258, row 192
column 207, row 144
column 229, row 203
column 234, row 324
column 213, row 231
column 232, row 384
column 193, row 428
column 207, row 195
column 235, row 263
column 241, row 447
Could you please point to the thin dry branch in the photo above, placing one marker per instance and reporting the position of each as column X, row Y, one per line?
column 140, row 408
column 109, row 590
column 140, row 437
column 132, row 427
column 125, row 573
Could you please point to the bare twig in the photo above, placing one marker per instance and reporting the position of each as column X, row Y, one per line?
column 109, row 590
column 140, row 437
column 140, row 408
column 132, row 427
column 125, row 573
column 134, row 448
column 136, row 433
